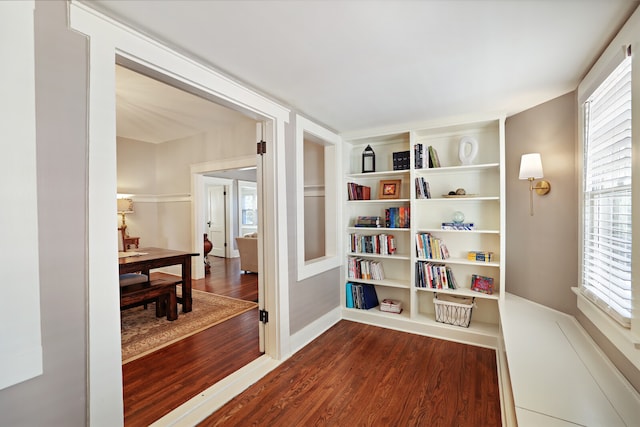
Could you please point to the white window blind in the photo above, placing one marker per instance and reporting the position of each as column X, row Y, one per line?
column 606, row 232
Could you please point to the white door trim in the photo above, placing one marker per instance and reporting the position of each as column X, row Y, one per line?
column 108, row 40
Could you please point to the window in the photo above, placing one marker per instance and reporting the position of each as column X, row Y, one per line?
column 607, row 196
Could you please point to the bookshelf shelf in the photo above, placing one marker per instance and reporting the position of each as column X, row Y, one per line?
column 460, row 261
column 379, row 175
column 401, row 257
column 380, row 201
column 484, row 185
column 462, row 292
column 439, row 230
column 377, row 229
column 404, row 284
column 456, row 169
column 459, row 199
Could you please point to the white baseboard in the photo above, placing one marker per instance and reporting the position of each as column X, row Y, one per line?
column 314, row 330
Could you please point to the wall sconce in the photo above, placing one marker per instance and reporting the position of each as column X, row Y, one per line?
column 368, row 160
column 125, row 206
column 530, row 169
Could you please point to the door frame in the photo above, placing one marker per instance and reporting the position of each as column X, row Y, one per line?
column 227, row 184
column 110, row 41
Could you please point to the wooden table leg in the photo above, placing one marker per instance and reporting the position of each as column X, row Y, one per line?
column 186, row 285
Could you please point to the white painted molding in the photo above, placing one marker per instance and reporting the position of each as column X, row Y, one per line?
column 330, row 189
column 161, row 198
column 110, row 40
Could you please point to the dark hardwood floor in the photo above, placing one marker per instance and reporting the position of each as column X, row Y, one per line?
column 361, row 375
column 156, row 384
column 354, row 374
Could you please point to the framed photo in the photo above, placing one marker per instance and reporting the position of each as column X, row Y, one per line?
column 390, row 189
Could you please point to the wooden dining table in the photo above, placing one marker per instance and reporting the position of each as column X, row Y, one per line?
column 145, row 259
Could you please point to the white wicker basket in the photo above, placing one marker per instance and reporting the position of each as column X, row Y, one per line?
column 453, row 310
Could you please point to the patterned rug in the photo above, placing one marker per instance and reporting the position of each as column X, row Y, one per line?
column 143, row 333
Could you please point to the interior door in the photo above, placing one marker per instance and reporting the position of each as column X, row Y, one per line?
column 216, row 222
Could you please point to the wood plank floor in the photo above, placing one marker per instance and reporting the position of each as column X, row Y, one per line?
column 156, row 384
column 361, row 375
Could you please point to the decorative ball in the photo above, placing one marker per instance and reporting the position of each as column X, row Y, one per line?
column 458, row 217
column 460, row 192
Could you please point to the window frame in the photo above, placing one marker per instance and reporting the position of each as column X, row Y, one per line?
column 332, row 156
column 627, row 341
column 594, row 198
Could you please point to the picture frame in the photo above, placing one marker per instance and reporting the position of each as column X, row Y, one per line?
column 389, row 189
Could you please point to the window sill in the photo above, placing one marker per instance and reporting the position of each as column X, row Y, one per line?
column 622, row 338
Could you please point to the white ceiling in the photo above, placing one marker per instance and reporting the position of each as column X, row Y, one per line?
column 354, row 65
column 151, row 111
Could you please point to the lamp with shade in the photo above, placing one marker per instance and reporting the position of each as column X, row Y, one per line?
column 531, row 169
column 125, row 206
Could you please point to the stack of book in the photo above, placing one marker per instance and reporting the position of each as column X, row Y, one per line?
column 480, row 256
column 362, row 296
column 369, row 221
column 458, row 226
column 358, row 192
column 434, row 276
column 399, row 217
column 359, row 268
column 430, row 247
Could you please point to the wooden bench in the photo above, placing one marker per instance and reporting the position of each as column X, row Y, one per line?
column 162, row 291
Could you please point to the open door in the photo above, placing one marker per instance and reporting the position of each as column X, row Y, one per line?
column 216, row 221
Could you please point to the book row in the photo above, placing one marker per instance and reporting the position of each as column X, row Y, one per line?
column 425, row 157
column 358, row 192
column 434, row 276
column 399, row 217
column 362, row 296
column 382, row 244
column 359, row 268
column 422, row 188
column 430, row 247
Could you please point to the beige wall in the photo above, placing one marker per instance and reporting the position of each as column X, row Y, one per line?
column 160, row 170
column 542, row 250
column 543, row 259
column 59, row 396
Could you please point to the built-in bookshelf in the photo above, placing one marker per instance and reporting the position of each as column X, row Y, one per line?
column 434, row 199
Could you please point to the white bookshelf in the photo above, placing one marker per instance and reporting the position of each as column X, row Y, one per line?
column 484, row 205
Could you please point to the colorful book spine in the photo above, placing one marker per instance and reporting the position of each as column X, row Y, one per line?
column 480, row 256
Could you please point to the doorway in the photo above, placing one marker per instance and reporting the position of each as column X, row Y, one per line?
column 221, row 209
column 108, row 40
column 218, row 206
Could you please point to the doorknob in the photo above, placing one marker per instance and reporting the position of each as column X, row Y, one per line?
column 209, row 223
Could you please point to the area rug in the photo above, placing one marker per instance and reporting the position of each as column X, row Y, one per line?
column 143, row 333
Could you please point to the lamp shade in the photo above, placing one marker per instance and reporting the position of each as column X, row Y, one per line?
column 125, row 206
column 531, row 166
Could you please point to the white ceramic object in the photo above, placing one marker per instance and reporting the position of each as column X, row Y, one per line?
column 467, row 150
